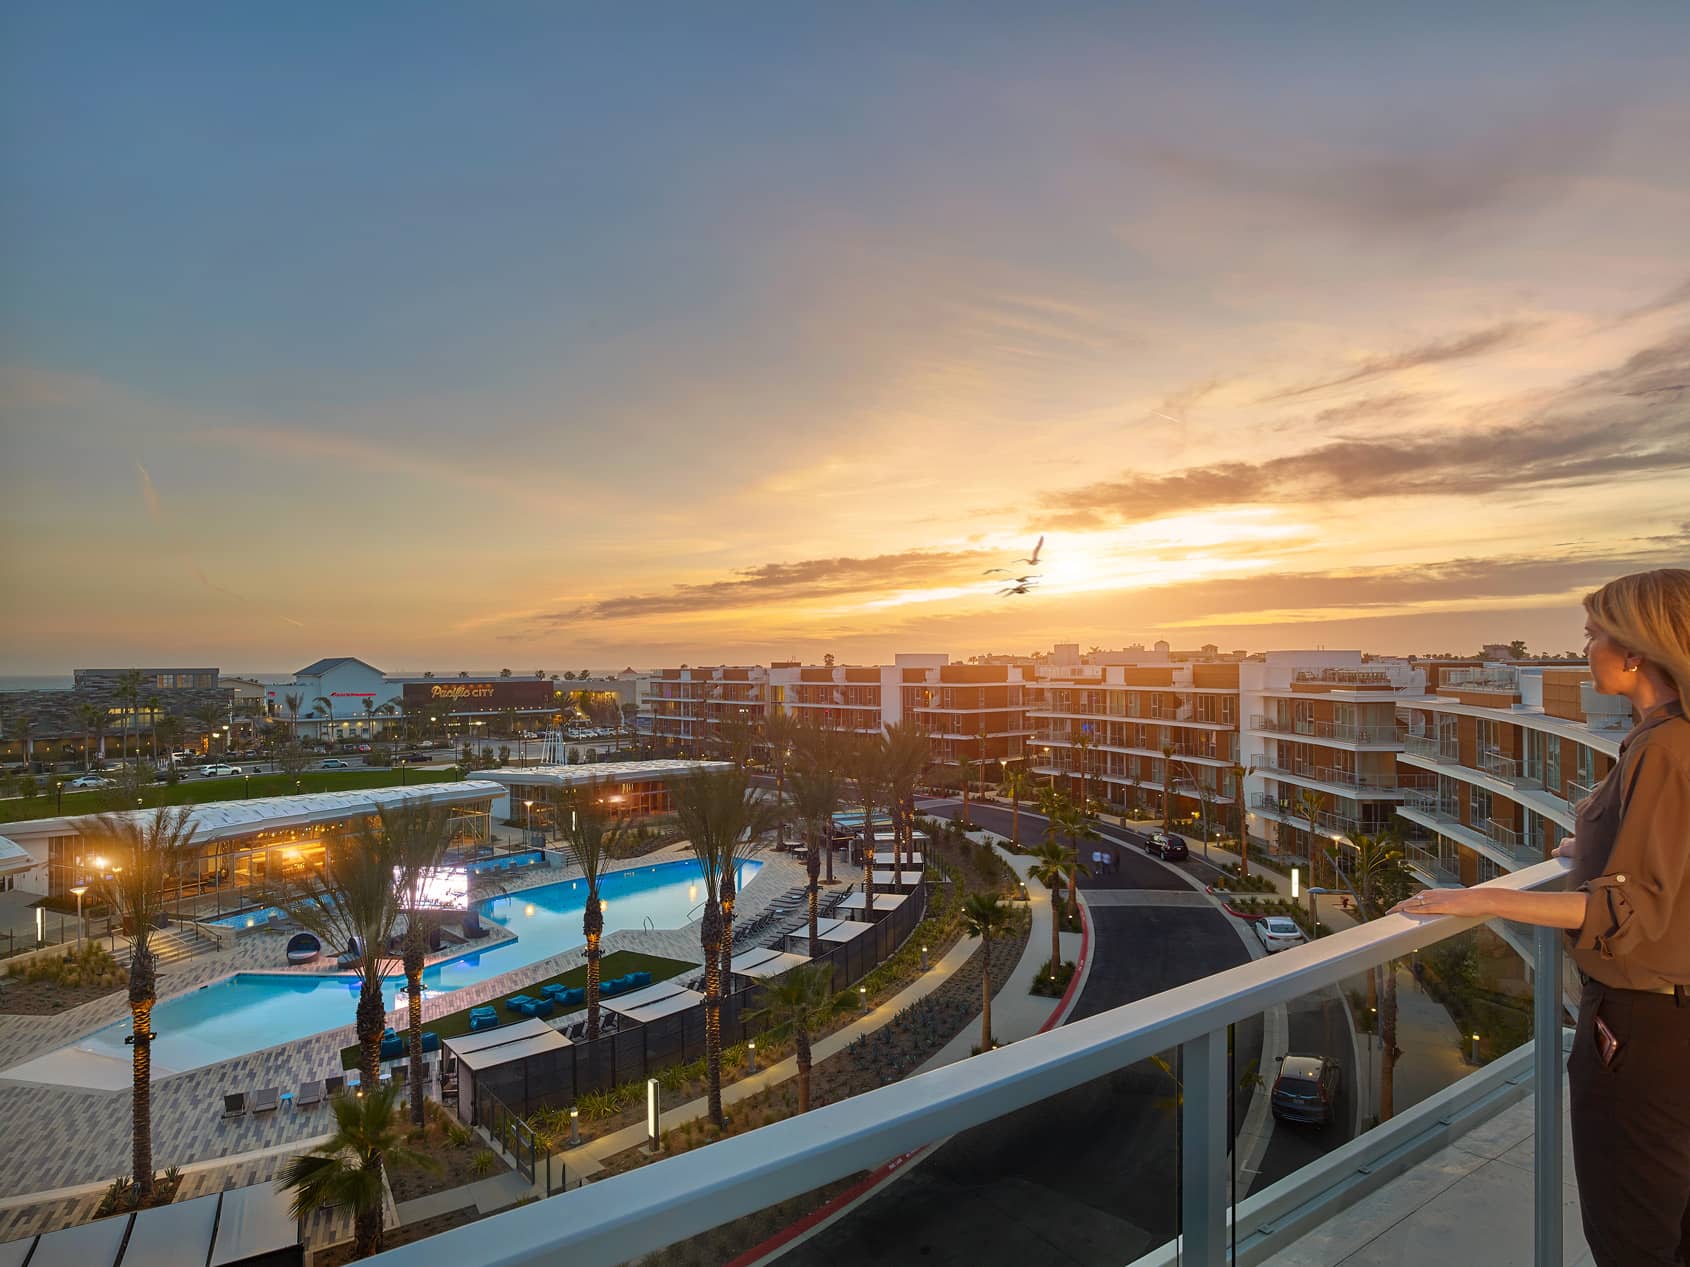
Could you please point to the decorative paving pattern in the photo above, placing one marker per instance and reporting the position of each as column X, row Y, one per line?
column 58, row 1137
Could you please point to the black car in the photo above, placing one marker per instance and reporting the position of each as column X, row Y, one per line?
column 1166, row 847
column 415, row 756
column 1306, row 1090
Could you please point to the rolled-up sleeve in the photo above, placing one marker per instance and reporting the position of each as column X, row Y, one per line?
column 1635, row 901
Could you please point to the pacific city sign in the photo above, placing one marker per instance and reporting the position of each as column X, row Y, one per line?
column 462, row 690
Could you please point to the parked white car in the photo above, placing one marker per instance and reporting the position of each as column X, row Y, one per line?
column 1279, row 932
column 213, row 770
column 90, row 780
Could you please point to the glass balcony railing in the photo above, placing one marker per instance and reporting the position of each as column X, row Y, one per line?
column 1155, row 1126
column 1341, row 732
column 1327, row 774
column 1430, row 746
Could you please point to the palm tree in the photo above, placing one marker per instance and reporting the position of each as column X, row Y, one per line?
column 967, row 767
column 907, row 754
column 1063, row 816
column 715, row 808
column 129, row 695
column 1018, row 785
column 984, row 916
column 594, row 837
column 1238, row 773
column 143, row 852
column 323, row 705
column 346, row 1168
column 799, row 1001
column 779, row 733
column 350, row 901
column 418, row 835
column 153, row 705
column 369, row 714
column 1083, row 744
column 92, row 719
column 816, row 788
column 1311, row 805
column 1376, row 862
column 208, row 715
column 293, row 701
column 22, row 724
column 1050, row 868
column 865, row 762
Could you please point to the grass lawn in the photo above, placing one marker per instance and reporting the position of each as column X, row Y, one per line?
column 615, row 964
column 193, row 790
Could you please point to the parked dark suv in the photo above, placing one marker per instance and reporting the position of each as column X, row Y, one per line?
column 1306, row 1090
column 1168, row 848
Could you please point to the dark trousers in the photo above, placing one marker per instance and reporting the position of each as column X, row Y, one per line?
column 1631, row 1127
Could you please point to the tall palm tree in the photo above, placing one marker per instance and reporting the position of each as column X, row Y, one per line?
column 153, row 705
column 129, row 695
column 715, row 809
column 908, row 752
column 346, row 1168
column 293, row 701
column 417, row 834
column 369, row 715
column 144, row 851
column 324, row 706
column 780, row 731
column 967, row 768
column 797, row 1002
column 350, row 901
column 1018, row 785
column 1379, row 878
column 1050, row 868
column 865, row 762
column 1238, row 773
column 816, row 788
column 594, row 836
column 985, row 917
column 92, row 719
column 1311, row 805
column 1083, row 744
column 208, row 715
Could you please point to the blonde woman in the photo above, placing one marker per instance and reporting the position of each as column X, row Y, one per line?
column 1627, row 916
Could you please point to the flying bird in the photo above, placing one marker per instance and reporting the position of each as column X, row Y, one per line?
column 1034, row 560
column 1020, row 587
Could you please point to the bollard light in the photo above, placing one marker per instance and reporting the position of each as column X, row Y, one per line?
column 924, row 958
column 862, row 996
column 1296, row 877
column 653, row 1112
column 751, row 1050
column 574, row 1125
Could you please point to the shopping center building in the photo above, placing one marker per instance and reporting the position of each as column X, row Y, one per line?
column 535, row 796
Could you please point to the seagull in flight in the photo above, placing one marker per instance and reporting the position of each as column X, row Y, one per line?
column 1024, row 586
column 1034, row 560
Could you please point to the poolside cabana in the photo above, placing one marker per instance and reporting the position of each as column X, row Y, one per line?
column 254, row 1229
column 242, row 1227
column 479, row 1054
column 884, row 904
column 647, row 1004
column 763, row 963
column 908, row 878
column 829, row 930
column 163, row 1235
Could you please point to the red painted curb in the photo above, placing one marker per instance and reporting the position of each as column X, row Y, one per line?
column 789, row 1234
column 1074, row 981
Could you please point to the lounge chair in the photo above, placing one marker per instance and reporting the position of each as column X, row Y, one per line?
column 267, row 1100
column 608, row 988
column 393, row 1047
column 639, row 978
column 334, row 1085
column 483, row 1020
column 234, row 1105
column 430, row 1041
column 310, row 1095
column 541, row 1007
column 517, row 1003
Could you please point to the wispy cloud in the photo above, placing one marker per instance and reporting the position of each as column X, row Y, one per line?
column 1436, row 352
column 1605, row 427
column 149, row 494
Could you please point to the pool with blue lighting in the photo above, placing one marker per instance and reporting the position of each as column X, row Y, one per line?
column 254, row 1010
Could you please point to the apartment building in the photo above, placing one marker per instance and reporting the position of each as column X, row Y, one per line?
column 1133, row 735
column 975, row 712
column 1322, row 740
column 1500, row 754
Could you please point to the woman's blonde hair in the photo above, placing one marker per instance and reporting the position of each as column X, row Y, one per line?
column 1649, row 613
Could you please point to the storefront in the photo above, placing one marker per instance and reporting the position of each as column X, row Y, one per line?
column 536, row 796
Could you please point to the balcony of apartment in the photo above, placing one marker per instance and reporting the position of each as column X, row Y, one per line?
column 1500, row 776
column 1351, row 783
column 1433, row 749
column 1489, row 839
column 1508, row 769
column 1182, row 751
column 1050, row 714
column 1382, row 737
column 1423, row 859
column 1286, row 811
column 1120, row 1162
column 1493, row 678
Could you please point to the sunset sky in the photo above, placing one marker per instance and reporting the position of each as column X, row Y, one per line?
column 563, row 335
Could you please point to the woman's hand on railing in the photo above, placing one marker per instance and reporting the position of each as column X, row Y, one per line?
column 1444, row 902
column 1564, row 849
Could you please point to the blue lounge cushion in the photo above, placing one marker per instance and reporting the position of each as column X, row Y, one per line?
column 640, row 978
column 392, row 1047
column 517, row 1002
column 483, row 1022
column 573, row 995
column 608, row 988
column 540, row 1007
column 430, row 1040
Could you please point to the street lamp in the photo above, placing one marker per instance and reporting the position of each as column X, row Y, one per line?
column 79, row 890
column 529, row 806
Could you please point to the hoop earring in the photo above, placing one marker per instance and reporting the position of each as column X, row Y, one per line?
column 1632, row 668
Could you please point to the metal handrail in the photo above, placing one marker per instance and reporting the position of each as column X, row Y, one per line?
column 635, row 1213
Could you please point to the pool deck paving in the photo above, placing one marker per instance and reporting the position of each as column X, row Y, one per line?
column 63, row 1137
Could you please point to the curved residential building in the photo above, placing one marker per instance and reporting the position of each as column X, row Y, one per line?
column 1502, row 753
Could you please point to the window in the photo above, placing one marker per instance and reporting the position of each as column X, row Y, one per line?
column 1533, row 765
column 1229, row 709
column 1552, row 762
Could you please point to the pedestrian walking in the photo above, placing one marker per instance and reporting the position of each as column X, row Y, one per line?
column 1627, row 915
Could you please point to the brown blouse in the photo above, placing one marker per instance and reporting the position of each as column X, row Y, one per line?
column 1631, row 854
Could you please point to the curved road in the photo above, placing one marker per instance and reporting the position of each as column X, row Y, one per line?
column 1086, row 1177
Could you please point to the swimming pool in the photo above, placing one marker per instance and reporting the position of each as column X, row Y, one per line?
column 254, row 1010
